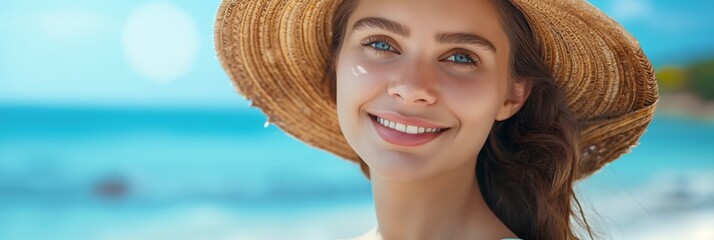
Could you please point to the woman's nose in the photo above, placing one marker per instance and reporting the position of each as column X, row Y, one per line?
column 413, row 87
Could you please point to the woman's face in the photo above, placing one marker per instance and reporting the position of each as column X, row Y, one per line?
column 421, row 65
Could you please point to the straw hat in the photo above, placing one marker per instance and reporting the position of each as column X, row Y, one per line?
column 275, row 52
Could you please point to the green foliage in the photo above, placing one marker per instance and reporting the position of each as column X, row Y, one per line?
column 697, row 78
column 671, row 78
column 700, row 79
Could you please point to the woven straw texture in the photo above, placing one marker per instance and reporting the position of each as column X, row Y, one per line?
column 275, row 53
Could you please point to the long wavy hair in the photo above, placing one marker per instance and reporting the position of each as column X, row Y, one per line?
column 528, row 166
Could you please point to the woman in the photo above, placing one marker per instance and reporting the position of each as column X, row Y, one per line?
column 473, row 119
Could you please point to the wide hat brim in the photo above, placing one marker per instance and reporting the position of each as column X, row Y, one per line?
column 275, row 53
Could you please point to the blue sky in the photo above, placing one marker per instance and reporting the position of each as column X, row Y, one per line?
column 160, row 53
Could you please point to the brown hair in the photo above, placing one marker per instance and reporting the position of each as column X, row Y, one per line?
column 529, row 163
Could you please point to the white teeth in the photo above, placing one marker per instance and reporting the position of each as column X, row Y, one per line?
column 406, row 128
column 401, row 127
column 412, row 129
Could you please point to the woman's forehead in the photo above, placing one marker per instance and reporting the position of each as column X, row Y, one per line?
column 421, row 18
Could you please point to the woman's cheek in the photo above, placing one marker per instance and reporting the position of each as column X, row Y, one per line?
column 356, row 83
column 359, row 79
column 475, row 100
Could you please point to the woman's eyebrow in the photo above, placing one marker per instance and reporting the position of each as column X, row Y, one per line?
column 381, row 23
column 465, row 38
column 400, row 29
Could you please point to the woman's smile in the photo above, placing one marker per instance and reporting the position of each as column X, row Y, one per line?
column 402, row 131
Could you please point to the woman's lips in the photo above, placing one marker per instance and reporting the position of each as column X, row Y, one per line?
column 400, row 138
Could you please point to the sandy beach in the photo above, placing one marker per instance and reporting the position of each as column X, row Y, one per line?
column 685, row 105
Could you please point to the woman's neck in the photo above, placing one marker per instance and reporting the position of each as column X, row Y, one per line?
column 448, row 206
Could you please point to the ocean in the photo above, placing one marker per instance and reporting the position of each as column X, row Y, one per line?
column 160, row 173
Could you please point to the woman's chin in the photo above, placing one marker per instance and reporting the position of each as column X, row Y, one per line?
column 398, row 169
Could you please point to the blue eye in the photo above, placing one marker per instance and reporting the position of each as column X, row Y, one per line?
column 460, row 58
column 381, row 46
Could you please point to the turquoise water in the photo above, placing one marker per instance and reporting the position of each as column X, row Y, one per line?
column 94, row 173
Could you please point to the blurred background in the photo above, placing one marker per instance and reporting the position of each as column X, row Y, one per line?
column 117, row 122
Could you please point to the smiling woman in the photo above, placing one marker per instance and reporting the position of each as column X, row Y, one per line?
column 450, row 76
column 472, row 119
